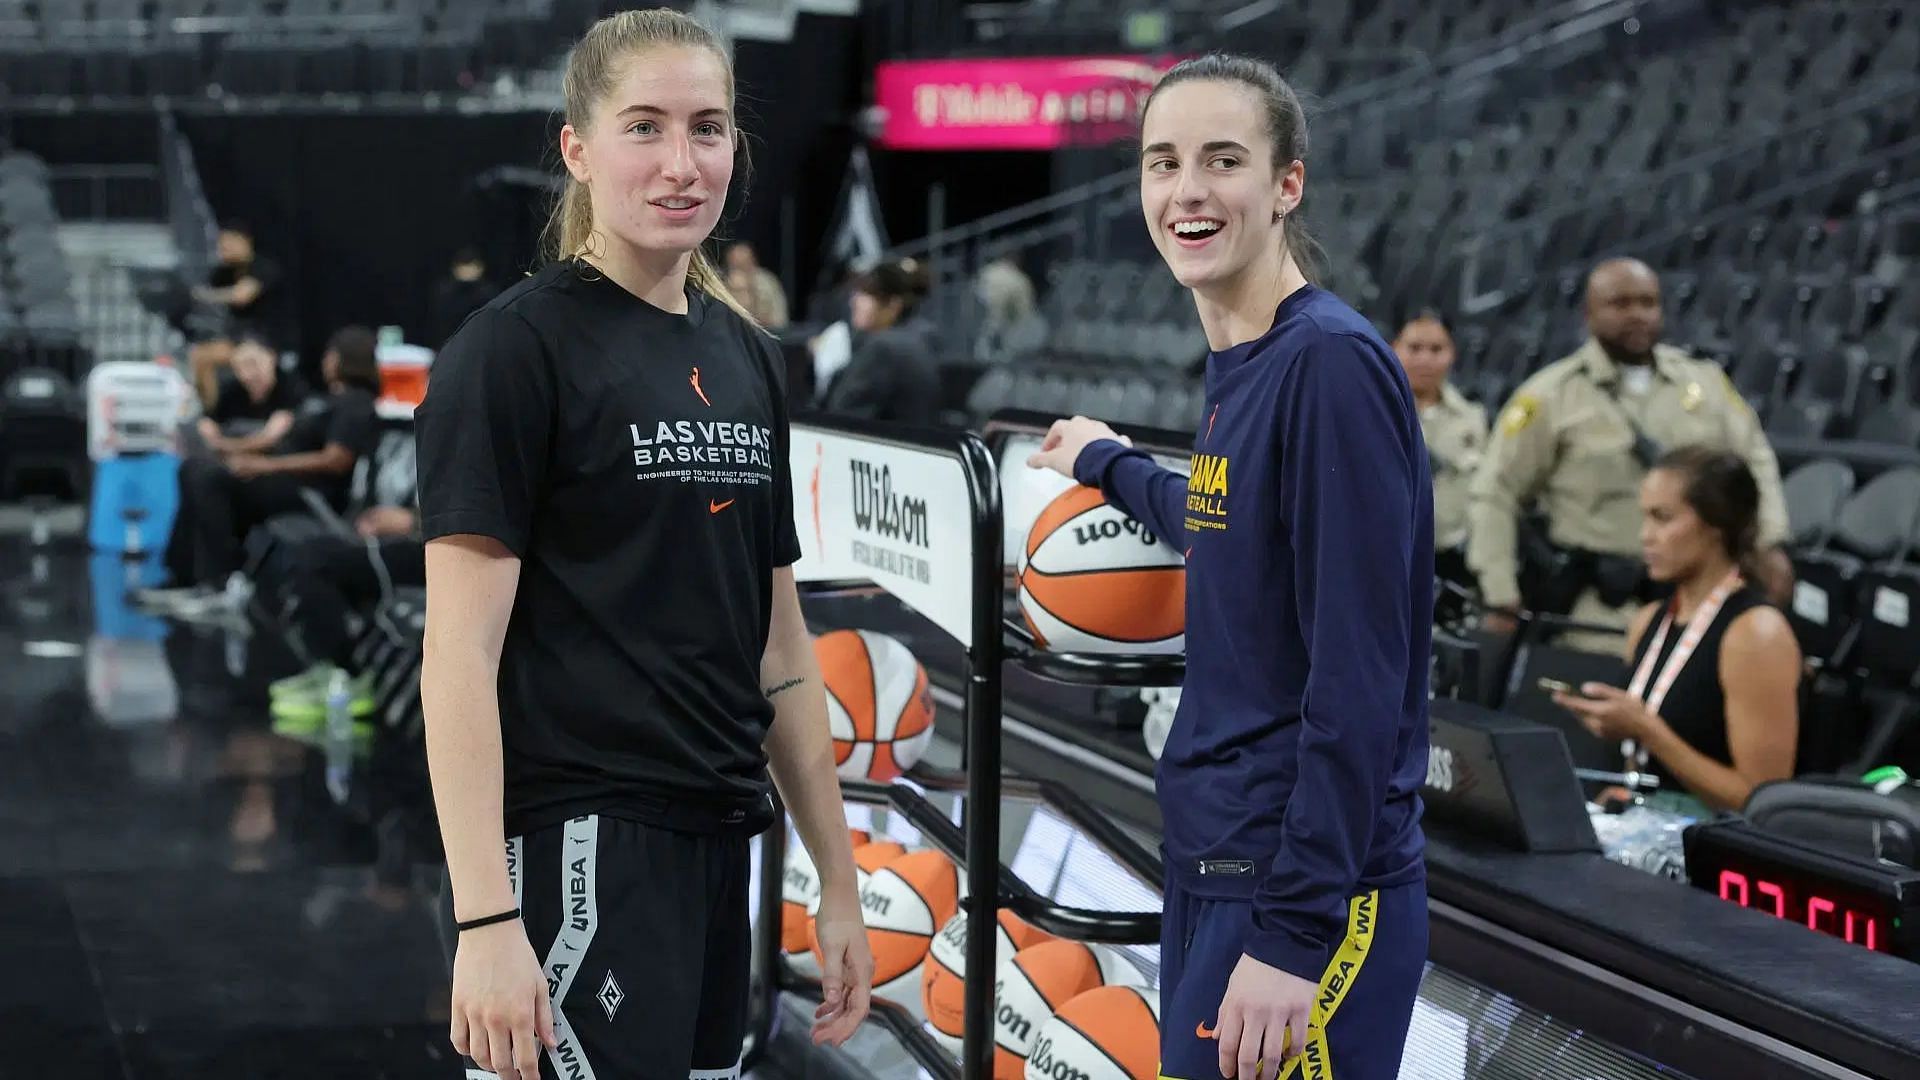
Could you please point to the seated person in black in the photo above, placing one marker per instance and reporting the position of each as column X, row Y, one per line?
column 222, row 500
column 255, row 408
column 1713, row 705
column 892, row 375
column 328, row 577
column 242, row 288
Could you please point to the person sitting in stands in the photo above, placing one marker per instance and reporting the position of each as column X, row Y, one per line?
column 1712, row 708
column 255, row 409
column 892, row 374
column 222, row 499
column 242, row 288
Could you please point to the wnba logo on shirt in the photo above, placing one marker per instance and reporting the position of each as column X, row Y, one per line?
column 1207, row 492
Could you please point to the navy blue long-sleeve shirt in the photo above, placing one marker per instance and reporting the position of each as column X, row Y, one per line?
column 1292, row 771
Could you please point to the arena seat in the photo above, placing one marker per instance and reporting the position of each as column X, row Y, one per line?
column 1842, row 816
column 1821, row 612
column 1814, row 494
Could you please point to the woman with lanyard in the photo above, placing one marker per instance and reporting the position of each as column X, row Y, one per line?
column 1295, row 923
column 616, row 661
column 1713, row 703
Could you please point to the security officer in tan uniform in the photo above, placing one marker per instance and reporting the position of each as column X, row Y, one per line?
column 1578, row 437
column 1456, row 431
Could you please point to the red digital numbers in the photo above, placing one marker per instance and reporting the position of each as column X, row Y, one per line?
column 1820, row 913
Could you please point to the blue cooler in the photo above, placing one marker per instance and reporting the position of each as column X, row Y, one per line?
column 135, row 498
column 134, row 409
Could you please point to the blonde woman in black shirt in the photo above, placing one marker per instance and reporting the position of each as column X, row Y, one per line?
column 616, row 661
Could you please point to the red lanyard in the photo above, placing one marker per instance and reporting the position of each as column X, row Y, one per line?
column 1682, row 651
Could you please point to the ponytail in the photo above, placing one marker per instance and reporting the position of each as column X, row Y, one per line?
column 703, row 275
column 1307, row 253
column 570, row 227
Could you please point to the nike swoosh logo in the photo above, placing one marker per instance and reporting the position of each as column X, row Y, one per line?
column 716, row 507
column 1200, row 1029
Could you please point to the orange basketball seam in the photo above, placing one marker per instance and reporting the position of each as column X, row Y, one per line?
column 1100, row 606
column 1044, row 526
column 1095, row 1043
column 1108, row 570
column 873, row 694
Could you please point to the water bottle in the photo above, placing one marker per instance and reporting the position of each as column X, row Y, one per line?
column 339, row 737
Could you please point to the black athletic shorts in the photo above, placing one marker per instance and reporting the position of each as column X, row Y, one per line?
column 644, row 937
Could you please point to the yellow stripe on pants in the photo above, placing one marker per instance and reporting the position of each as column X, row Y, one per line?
column 1316, row 1062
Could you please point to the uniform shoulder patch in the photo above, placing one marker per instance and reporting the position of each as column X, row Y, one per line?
column 1519, row 413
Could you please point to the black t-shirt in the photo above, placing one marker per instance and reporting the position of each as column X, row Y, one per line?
column 345, row 418
column 267, row 312
column 636, row 462
column 1696, row 704
column 892, row 376
column 235, row 405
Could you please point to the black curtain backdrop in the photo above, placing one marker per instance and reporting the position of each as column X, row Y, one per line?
column 798, row 104
column 364, row 212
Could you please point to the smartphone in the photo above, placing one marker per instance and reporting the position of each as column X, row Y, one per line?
column 1555, row 686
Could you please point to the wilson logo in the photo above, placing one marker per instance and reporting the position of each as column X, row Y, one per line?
column 1046, row 1064
column 1111, row 529
column 880, row 510
column 875, row 903
column 1009, row 1019
column 799, row 880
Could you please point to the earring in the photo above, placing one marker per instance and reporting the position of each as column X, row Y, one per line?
column 1279, row 216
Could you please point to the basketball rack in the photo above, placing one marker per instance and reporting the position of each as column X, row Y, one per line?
column 865, row 496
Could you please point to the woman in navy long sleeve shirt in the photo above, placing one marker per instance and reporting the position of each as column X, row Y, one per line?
column 1296, row 914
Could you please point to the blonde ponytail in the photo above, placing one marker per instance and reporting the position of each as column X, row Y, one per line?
column 570, row 227
column 592, row 67
column 706, row 277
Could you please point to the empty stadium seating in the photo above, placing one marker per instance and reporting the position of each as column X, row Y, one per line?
column 39, row 325
column 1784, row 250
column 139, row 48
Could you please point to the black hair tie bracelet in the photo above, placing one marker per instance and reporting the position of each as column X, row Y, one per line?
column 475, row 924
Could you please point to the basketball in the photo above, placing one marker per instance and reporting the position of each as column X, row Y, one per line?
column 944, row 975
column 800, row 889
column 902, row 904
column 867, row 858
column 1035, row 983
column 1094, row 580
column 879, row 706
column 1112, row 1033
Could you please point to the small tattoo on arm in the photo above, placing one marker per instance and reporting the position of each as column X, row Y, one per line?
column 788, row 685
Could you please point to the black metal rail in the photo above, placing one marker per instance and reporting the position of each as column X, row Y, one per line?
column 974, row 844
